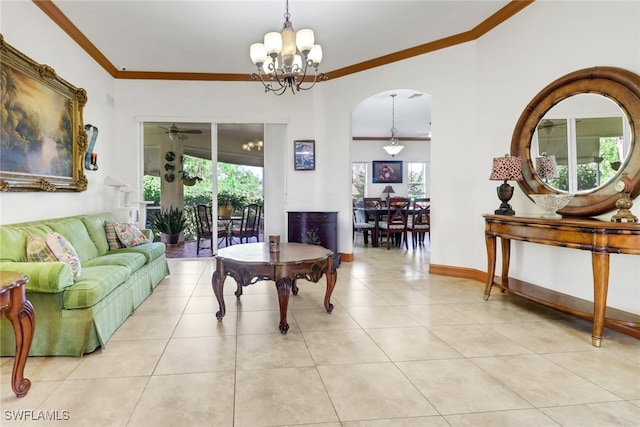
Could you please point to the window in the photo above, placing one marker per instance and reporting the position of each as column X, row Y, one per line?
column 588, row 150
column 358, row 179
column 417, row 179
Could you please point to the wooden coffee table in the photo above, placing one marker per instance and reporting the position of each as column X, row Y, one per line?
column 14, row 305
column 252, row 262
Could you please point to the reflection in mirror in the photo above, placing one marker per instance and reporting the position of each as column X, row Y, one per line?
column 590, row 137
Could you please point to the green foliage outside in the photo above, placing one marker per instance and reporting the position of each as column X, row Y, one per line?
column 587, row 173
column 234, row 182
column 416, row 183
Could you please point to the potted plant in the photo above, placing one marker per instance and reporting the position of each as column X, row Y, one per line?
column 229, row 202
column 189, row 180
column 170, row 222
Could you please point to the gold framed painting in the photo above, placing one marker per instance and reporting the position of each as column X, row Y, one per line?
column 42, row 135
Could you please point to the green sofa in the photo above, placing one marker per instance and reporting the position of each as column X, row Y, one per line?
column 74, row 318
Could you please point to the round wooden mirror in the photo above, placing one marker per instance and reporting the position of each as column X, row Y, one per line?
column 618, row 85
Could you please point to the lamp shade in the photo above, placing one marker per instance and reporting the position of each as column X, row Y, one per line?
column 393, row 149
column 506, row 168
column 258, row 53
column 546, row 166
column 388, row 190
column 273, row 43
column 304, row 39
column 315, row 55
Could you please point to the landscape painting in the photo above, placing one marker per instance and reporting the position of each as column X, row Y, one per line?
column 41, row 135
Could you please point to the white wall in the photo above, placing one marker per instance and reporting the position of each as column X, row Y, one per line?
column 29, row 30
column 478, row 90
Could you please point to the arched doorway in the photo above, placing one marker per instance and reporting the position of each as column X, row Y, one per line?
column 408, row 113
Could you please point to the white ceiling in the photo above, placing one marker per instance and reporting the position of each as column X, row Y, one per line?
column 214, row 37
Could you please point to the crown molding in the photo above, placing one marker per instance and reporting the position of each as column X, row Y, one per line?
column 56, row 15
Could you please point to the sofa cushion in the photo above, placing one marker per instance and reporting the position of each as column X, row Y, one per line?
column 76, row 233
column 64, row 252
column 133, row 261
column 112, row 237
column 95, row 284
column 95, row 227
column 13, row 240
column 46, row 277
column 38, row 250
column 151, row 251
column 129, row 235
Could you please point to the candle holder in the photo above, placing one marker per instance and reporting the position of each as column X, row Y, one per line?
column 274, row 243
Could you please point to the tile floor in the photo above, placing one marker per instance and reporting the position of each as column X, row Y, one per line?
column 401, row 348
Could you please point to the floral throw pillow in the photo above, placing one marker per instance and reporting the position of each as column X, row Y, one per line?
column 129, row 234
column 64, row 251
column 112, row 237
column 38, row 250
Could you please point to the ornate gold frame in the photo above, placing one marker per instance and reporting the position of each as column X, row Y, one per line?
column 619, row 85
column 42, row 77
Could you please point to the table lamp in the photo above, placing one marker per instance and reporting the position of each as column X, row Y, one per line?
column 547, row 167
column 506, row 168
column 388, row 190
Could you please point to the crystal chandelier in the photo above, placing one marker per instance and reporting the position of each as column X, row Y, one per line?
column 393, row 147
column 279, row 67
column 253, row 145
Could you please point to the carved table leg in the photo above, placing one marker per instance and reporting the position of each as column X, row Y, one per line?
column 491, row 263
column 600, row 265
column 217, row 282
column 506, row 259
column 22, row 318
column 294, row 287
column 332, row 277
column 283, row 285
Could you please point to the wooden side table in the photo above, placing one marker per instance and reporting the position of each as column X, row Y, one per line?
column 14, row 305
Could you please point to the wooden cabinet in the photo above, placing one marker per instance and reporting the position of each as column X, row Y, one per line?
column 315, row 228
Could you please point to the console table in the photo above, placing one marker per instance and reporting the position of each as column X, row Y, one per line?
column 315, row 228
column 251, row 262
column 600, row 237
column 14, row 305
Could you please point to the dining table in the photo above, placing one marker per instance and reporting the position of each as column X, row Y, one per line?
column 374, row 213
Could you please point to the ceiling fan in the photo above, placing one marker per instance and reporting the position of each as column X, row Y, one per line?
column 176, row 133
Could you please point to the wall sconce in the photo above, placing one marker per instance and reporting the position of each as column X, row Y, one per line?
column 91, row 158
column 507, row 168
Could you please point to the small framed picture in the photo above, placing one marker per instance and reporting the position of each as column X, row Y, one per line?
column 305, row 155
column 387, row 172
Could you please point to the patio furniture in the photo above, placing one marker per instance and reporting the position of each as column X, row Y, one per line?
column 204, row 230
column 249, row 225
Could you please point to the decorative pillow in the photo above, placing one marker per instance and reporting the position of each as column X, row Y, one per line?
column 38, row 250
column 112, row 237
column 129, row 234
column 63, row 250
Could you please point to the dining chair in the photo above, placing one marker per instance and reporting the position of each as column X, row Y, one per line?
column 248, row 224
column 420, row 223
column 204, row 231
column 396, row 221
column 360, row 224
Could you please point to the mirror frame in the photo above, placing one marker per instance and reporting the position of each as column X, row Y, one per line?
column 620, row 86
